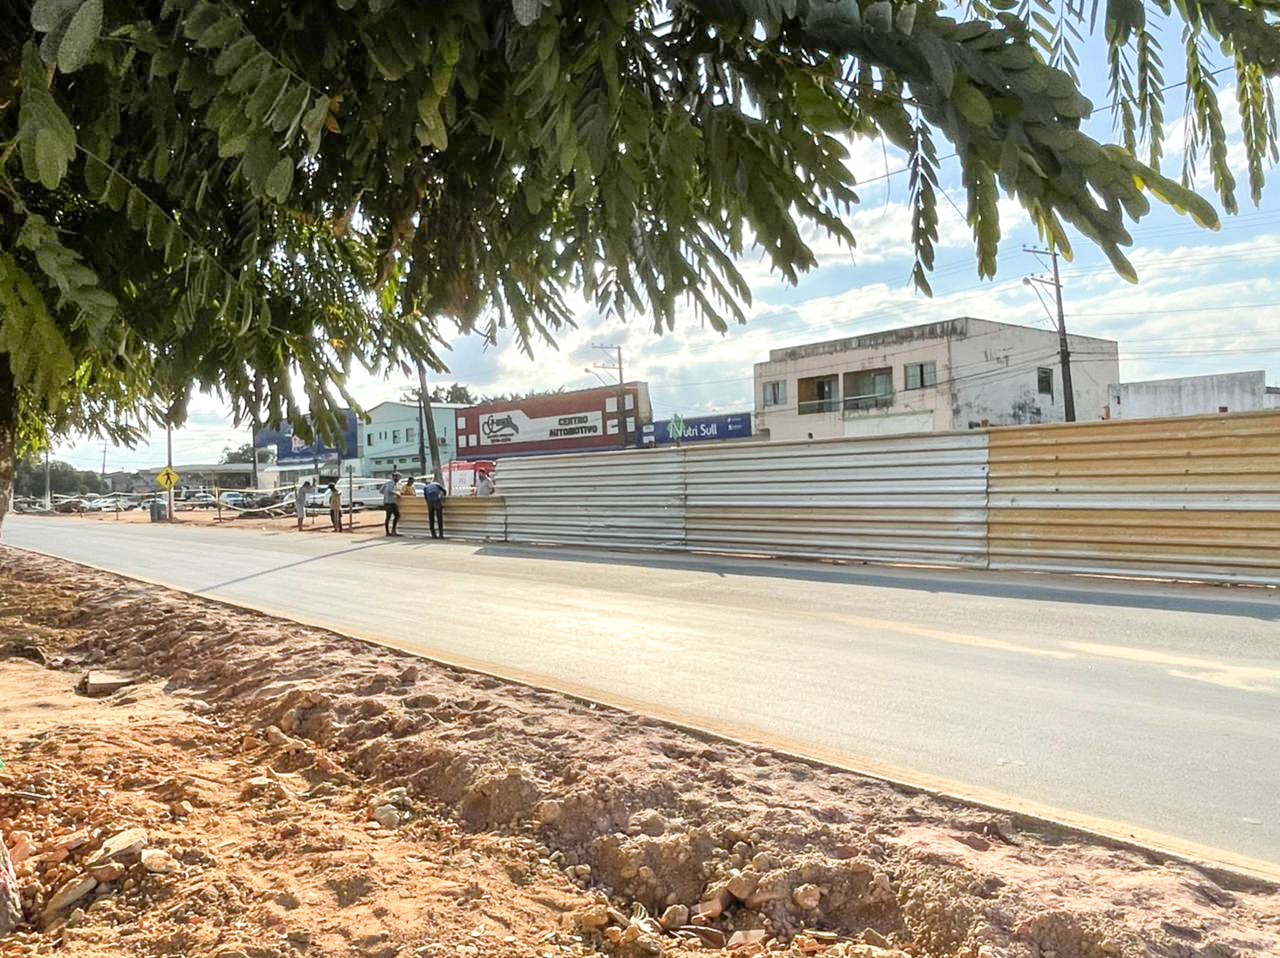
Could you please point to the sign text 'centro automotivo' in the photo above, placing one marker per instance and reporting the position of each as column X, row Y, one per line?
column 514, row 426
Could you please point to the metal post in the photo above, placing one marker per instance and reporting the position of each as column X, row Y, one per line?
column 48, row 495
column 168, row 429
column 622, row 389
column 253, row 449
column 622, row 401
column 351, row 499
column 1064, row 350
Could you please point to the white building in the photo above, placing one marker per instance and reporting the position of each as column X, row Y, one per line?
column 955, row 374
column 390, row 437
column 1193, row 396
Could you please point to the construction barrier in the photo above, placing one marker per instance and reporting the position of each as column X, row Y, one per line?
column 465, row 517
column 1194, row 498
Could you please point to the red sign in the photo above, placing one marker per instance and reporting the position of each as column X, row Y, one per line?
column 558, row 422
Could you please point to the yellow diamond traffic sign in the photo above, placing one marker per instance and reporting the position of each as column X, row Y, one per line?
column 167, row 478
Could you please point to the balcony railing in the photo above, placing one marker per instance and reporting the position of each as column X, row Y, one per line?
column 819, row 405
column 869, row 401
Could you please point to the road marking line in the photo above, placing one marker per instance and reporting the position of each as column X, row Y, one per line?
column 955, row 638
column 1245, row 678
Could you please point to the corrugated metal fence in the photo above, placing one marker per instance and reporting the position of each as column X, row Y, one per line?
column 908, row 499
column 632, row 498
column 1195, row 498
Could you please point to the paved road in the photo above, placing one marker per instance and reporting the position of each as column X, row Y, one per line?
column 1157, row 708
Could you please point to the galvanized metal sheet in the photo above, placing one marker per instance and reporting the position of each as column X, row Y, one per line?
column 625, row 499
column 1194, row 498
column 919, row 498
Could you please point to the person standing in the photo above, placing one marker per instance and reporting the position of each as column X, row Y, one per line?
column 304, row 493
column 484, row 485
column 434, row 493
column 335, row 507
column 391, row 504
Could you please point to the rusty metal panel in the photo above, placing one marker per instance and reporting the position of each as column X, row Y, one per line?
column 480, row 519
column 625, row 499
column 918, row 498
column 413, row 517
column 1190, row 498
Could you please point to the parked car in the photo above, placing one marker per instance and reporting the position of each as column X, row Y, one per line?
column 201, row 500
column 234, row 500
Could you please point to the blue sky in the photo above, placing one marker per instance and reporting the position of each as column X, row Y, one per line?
column 1205, row 301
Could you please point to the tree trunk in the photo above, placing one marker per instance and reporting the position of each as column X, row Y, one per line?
column 10, row 903
column 8, row 433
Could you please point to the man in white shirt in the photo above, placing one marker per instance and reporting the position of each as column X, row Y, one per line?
column 391, row 504
column 304, row 494
column 484, row 485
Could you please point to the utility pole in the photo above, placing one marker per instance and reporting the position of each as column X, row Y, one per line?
column 1064, row 350
column 48, row 496
column 424, row 403
column 622, row 388
column 104, row 463
column 253, row 448
column 351, row 498
column 422, row 427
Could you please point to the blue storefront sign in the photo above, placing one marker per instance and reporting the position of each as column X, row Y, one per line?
column 696, row 429
column 292, row 449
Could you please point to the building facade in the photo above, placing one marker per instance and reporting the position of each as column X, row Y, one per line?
column 290, row 458
column 389, row 439
column 584, row 420
column 1193, row 396
column 951, row 375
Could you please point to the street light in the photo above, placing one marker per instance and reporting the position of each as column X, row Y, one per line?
column 598, row 376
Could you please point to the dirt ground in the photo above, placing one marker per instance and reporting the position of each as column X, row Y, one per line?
column 295, row 792
column 364, row 521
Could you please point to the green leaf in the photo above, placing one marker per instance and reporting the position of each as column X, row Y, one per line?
column 219, row 34
column 288, row 108
column 259, row 158
column 526, row 11
column 973, row 106
column 280, row 181
column 48, row 15
column 51, row 158
column 313, row 124
column 230, row 59
column 82, row 34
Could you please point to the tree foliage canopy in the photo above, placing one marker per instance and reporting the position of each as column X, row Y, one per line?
column 223, row 193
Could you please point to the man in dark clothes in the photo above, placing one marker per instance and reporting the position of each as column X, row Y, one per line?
column 435, row 506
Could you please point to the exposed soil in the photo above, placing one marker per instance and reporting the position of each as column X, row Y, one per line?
column 364, row 521
column 302, row 793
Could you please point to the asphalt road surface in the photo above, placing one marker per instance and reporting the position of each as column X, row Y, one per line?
column 1140, row 709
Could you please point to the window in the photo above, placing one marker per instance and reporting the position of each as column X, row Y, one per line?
column 775, row 393
column 868, row 388
column 408, row 435
column 818, row 394
column 1044, row 381
column 395, row 437
column 368, row 440
column 920, row 375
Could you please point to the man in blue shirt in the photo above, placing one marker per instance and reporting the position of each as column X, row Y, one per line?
column 435, row 506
